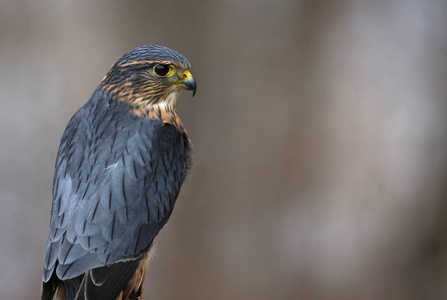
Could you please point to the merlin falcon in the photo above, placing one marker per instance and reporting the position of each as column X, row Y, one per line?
column 121, row 163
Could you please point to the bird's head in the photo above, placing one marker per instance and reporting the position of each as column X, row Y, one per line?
column 149, row 75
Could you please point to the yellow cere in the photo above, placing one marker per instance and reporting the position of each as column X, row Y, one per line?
column 186, row 75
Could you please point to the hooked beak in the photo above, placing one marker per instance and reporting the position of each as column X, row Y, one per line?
column 188, row 82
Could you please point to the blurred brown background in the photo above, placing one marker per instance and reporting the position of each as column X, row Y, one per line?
column 320, row 138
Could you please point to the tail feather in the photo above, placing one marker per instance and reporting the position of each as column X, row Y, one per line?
column 49, row 288
column 66, row 290
column 119, row 281
column 107, row 282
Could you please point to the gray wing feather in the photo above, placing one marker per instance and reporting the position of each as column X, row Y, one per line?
column 114, row 188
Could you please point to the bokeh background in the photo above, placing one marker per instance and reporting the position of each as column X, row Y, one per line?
column 319, row 131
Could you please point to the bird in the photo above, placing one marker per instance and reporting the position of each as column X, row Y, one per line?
column 121, row 162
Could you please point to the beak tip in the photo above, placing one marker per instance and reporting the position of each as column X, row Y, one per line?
column 189, row 84
column 192, row 85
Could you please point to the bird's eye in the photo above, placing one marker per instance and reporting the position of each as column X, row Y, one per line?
column 163, row 70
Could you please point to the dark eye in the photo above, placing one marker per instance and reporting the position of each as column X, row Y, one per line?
column 162, row 70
